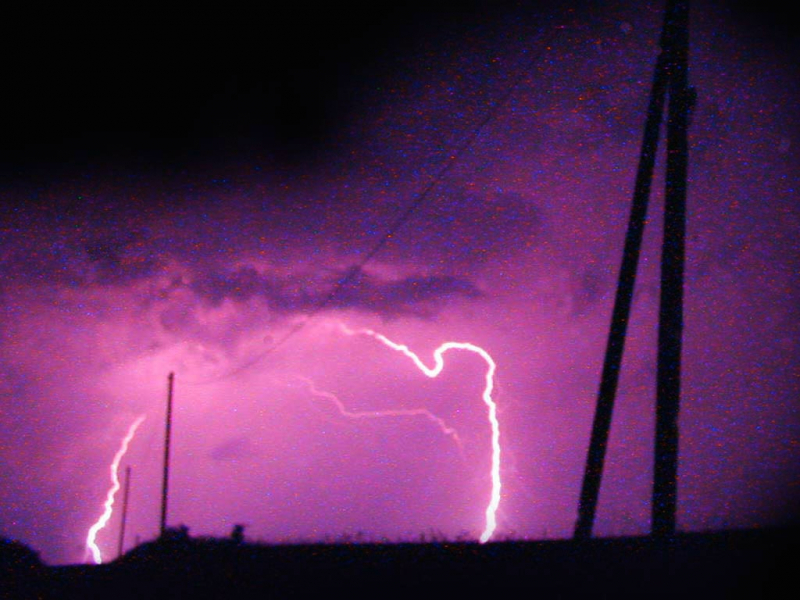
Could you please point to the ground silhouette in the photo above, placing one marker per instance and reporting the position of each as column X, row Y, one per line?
column 745, row 563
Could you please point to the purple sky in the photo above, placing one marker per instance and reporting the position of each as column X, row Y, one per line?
column 119, row 268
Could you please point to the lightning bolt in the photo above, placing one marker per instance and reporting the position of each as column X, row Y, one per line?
column 433, row 372
column 108, row 507
column 379, row 414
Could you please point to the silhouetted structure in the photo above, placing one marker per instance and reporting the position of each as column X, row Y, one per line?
column 165, row 484
column 670, row 317
column 671, row 70
column 124, row 510
column 237, row 534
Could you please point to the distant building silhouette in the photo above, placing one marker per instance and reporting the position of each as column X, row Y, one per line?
column 237, row 534
column 176, row 534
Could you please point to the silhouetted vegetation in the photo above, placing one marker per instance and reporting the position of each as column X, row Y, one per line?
column 21, row 570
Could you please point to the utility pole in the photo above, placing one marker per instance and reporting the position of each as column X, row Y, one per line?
column 670, row 74
column 622, row 307
column 165, row 484
column 124, row 510
column 670, row 317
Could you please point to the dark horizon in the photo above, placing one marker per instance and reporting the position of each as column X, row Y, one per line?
column 723, row 563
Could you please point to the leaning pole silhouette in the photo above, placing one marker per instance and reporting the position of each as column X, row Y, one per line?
column 121, row 545
column 165, row 482
column 670, row 78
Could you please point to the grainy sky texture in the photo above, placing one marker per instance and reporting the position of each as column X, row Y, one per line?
column 183, row 193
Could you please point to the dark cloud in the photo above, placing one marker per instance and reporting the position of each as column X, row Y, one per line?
column 413, row 295
column 238, row 285
column 469, row 227
column 79, row 255
column 355, row 289
column 121, row 257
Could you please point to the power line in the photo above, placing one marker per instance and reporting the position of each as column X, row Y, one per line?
column 401, row 220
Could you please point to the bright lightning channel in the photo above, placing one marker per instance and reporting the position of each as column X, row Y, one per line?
column 108, row 507
column 494, row 502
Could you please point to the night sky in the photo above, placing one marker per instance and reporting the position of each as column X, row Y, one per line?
column 182, row 191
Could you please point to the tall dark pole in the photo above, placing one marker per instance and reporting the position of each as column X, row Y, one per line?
column 165, row 485
column 124, row 510
column 615, row 346
column 671, row 71
column 670, row 318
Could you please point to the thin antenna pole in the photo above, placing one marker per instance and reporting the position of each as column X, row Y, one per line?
column 595, row 458
column 165, row 485
column 670, row 318
column 124, row 510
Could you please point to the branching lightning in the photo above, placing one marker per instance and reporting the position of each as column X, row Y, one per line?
column 431, row 372
column 379, row 414
column 108, row 507
column 494, row 502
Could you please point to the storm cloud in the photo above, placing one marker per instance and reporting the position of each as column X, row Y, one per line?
column 233, row 257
